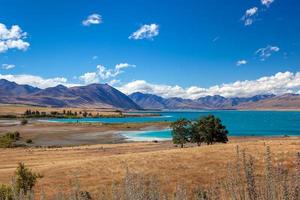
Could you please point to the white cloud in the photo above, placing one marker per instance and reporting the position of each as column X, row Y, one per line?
column 92, row 19
column 90, row 77
column 102, row 73
column 266, row 52
column 114, row 82
column 267, row 2
column 249, row 16
column 37, row 81
column 95, row 57
column 12, row 38
column 241, row 62
column 8, row 66
column 252, row 11
column 280, row 83
column 145, row 32
column 123, row 66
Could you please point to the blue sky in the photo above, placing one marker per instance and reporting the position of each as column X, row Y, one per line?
column 185, row 43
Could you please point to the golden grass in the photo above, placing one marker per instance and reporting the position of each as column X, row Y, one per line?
column 99, row 165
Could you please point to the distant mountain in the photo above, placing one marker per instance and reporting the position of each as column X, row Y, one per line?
column 106, row 94
column 150, row 101
column 8, row 88
column 282, row 102
column 94, row 95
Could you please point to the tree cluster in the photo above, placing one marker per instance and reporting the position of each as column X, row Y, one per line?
column 208, row 129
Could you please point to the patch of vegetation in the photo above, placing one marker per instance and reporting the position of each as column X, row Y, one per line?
column 67, row 114
column 6, row 192
column 28, row 141
column 8, row 116
column 24, row 181
column 208, row 129
column 24, row 122
column 8, row 140
column 52, row 114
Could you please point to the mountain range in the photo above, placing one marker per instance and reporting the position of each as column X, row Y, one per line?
column 106, row 96
column 92, row 96
column 150, row 101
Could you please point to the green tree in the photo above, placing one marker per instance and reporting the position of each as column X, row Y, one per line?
column 210, row 130
column 181, row 131
column 197, row 136
column 25, row 178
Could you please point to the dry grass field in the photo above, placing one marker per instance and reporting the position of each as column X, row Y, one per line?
column 97, row 166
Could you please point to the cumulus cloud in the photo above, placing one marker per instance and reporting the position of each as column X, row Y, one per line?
column 145, row 32
column 90, row 77
column 249, row 16
column 241, row 62
column 280, row 83
column 103, row 73
column 267, row 2
column 266, row 52
column 37, row 81
column 92, row 20
column 8, row 66
column 12, row 38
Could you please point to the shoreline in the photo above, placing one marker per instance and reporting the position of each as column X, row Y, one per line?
column 49, row 133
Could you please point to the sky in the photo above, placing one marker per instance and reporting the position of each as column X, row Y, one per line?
column 178, row 48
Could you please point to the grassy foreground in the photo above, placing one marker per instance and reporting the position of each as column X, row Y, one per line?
column 98, row 167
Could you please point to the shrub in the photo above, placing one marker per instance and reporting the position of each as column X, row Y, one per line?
column 6, row 142
column 28, row 141
column 24, row 122
column 6, row 192
column 25, row 179
column 84, row 195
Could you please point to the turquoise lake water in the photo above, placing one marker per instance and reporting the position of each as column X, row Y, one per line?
column 238, row 123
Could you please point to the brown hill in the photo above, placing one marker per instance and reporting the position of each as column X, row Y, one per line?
column 283, row 102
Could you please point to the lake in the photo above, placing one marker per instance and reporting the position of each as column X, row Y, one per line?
column 238, row 123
